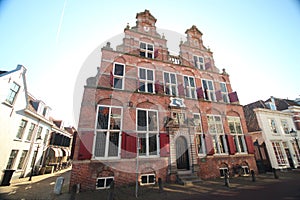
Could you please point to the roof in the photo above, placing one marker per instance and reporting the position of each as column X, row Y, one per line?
column 251, row 119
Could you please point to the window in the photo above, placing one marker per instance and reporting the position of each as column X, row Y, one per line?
column 245, row 170
column 33, row 158
column 148, row 179
column 146, row 80
column 224, row 92
column 235, row 128
column 118, row 73
column 146, row 50
column 199, row 62
column 170, row 83
column 30, row 132
column 285, row 126
column 209, row 91
column 296, row 150
column 39, row 133
column 272, row 125
column 200, row 143
column 178, row 117
column 223, row 171
column 46, row 137
column 12, row 159
column 22, row 159
column 13, row 91
column 104, row 182
column 216, row 130
column 21, row 129
column 147, row 128
column 279, row 153
column 107, row 143
column 190, row 87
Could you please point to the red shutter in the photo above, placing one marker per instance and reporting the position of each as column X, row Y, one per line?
column 200, row 94
column 156, row 86
column 111, row 79
column 231, row 144
column 155, row 53
column 164, row 145
column 249, row 143
column 128, row 145
column 85, row 145
column 219, row 95
column 181, row 90
column 209, row 144
column 233, row 97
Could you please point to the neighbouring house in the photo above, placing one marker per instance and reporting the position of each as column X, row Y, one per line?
column 150, row 115
column 273, row 131
column 26, row 127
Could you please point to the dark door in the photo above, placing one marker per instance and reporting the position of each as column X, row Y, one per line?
column 182, row 154
column 290, row 159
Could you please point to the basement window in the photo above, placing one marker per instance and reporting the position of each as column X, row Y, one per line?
column 104, row 182
column 245, row 171
column 148, row 179
column 223, row 171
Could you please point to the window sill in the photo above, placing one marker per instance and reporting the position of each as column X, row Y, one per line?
column 7, row 104
column 18, row 140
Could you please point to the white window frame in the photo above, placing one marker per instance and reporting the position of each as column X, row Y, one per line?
column 146, row 81
column 147, row 51
column 200, row 142
column 105, row 179
column 244, row 170
column 285, row 129
column 224, row 93
column 170, row 84
column 21, row 129
column 190, row 91
column 30, row 131
column 279, row 153
column 211, row 96
column 108, row 132
column 219, row 139
column 118, row 76
column 198, row 63
column 147, row 175
column 147, row 132
column 239, row 138
column 13, row 92
column 224, row 169
column 39, row 132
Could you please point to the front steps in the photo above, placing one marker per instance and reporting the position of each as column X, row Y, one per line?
column 187, row 178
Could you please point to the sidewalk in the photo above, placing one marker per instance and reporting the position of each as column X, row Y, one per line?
column 265, row 186
column 40, row 187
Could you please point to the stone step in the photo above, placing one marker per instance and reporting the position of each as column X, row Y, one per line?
column 187, row 179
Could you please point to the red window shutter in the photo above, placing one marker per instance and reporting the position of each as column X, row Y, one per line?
column 85, row 145
column 233, row 97
column 249, row 143
column 164, row 145
column 219, row 95
column 156, row 86
column 231, row 144
column 209, row 144
column 180, row 90
column 200, row 94
column 155, row 53
column 128, row 145
column 111, row 79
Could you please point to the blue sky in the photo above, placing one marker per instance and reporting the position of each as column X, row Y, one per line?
column 257, row 42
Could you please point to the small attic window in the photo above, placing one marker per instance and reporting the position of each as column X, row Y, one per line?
column 271, row 106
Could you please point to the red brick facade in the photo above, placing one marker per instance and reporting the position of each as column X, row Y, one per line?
column 164, row 164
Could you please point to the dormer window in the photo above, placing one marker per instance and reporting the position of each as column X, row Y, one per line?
column 146, row 50
column 199, row 62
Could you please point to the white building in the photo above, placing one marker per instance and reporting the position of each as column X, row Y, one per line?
column 273, row 133
column 26, row 127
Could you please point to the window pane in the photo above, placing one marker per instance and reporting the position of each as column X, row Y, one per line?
column 186, row 81
column 142, row 53
column 192, row 82
column 142, row 124
column 100, row 182
column 150, row 47
column 143, row 144
column 108, row 182
column 152, row 121
column 143, row 45
column 142, row 87
column 119, row 70
column 22, row 159
column 204, row 84
column 152, row 144
column 173, row 90
column 149, row 55
column 166, row 77
column 113, row 144
column 103, row 115
column 210, row 85
column 150, row 75
column 142, row 73
column 100, row 144
column 144, row 179
column 150, row 87
column 231, row 127
column 151, row 179
column 173, row 79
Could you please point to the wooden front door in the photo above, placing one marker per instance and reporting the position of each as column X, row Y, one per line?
column 182, row 154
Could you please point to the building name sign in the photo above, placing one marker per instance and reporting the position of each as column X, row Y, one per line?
column 177, row 102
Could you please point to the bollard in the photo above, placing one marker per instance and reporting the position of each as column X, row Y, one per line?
column 226, row 179
column 58, row 185
column 160, row 186
column 275, row 174
column 253, row 176
column 111, row 191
